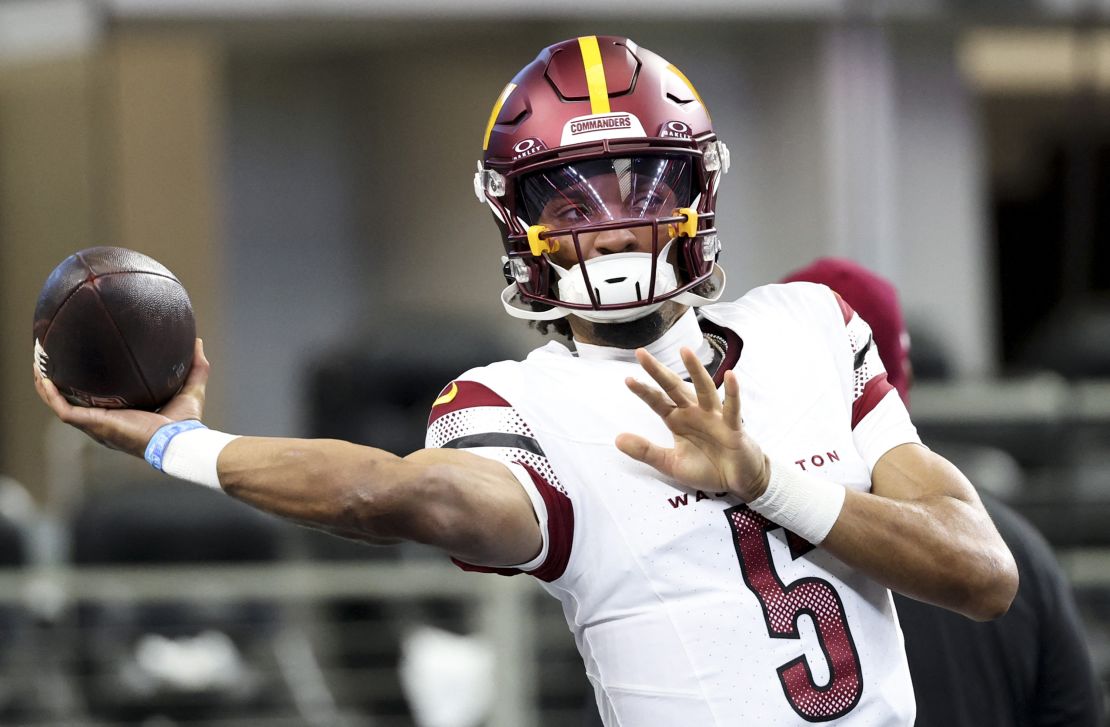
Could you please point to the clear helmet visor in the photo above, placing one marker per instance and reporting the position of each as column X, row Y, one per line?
column 619, row 238
column 606, row 190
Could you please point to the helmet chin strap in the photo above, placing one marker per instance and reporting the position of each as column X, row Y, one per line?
column 517, row 307
column 717, row 279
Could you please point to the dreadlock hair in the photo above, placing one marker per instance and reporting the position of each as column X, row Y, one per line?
column 558, row 327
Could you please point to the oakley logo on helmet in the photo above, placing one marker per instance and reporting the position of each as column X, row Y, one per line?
column 602, row 126
column 527, row 147
column 676, row 130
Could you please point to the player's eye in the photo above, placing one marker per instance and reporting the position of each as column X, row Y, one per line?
column 647, row 201
column 570, row 214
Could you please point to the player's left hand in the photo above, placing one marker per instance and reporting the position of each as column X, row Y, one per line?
column 711, row 451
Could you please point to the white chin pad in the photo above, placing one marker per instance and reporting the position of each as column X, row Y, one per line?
column 623, row 277
column 615, row 279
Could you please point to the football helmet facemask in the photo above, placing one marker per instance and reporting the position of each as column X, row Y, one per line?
column 601, row 151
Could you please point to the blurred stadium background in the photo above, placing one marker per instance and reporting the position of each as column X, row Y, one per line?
column 304, row 167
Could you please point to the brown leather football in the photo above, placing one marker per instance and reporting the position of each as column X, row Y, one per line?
column 114, row 328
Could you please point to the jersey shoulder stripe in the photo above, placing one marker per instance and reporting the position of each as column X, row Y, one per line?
column 873, row 392
column 463, row 395
column 469, row 415
column 870, row 383
column 495, row 439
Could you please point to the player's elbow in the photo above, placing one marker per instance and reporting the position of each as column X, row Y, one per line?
column 993, row 592
column 376, row 501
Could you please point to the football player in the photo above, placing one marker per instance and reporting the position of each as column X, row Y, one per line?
column 722, row 558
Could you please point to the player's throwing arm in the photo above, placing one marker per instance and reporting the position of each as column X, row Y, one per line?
column 468, row 506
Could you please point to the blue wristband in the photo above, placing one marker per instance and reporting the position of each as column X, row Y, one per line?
column 161, row 439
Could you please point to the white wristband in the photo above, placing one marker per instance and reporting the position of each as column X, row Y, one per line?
column 188, row 451
column 806, row 505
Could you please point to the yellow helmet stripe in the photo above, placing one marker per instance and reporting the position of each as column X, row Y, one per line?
column 496, row 110
column 595, row 74
column 684, row 79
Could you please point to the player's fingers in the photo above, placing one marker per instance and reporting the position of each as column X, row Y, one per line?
column 198, row 375
column 644, row 451
column 668, row 380
column 198, row 353
column 659, row 402
column 40, row 387
column 196, row 382
column 731, row 410
column 703, row 383
column 68, row 413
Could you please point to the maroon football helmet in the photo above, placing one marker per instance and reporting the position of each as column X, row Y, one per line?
column 599, row 136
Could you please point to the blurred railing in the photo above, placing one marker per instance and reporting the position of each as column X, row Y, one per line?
column 1055, row 435
column 1044, row 398
column 502, row 610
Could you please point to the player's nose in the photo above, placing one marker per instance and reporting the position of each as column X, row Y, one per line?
column 613, row 241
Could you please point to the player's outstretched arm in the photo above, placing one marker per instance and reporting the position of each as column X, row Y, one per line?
column 921, row 531
column 471, row 507
column 468, row 506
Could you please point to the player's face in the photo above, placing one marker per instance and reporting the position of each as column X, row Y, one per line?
column 591, row 193
column 597, row 200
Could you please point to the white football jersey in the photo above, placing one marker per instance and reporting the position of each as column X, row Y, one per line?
column 687, row 607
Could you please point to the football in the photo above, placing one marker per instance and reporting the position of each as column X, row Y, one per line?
column 114, row 328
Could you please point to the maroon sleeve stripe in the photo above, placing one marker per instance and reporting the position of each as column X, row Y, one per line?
column 463, row 395
column 873, row 392
column 845, row 309
column 560, row 534
column 560, row 529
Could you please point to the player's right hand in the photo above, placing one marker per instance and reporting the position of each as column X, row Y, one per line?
column 129, row 430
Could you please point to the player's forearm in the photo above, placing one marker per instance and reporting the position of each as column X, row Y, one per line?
column 469, row 506
column 349, row 490
column 937, row 549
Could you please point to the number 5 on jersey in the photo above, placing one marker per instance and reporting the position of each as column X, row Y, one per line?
column 782, row 606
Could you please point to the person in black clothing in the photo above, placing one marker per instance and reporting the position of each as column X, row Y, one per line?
column 1029, row 668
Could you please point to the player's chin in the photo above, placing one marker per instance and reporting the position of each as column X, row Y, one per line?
column 636, row 333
